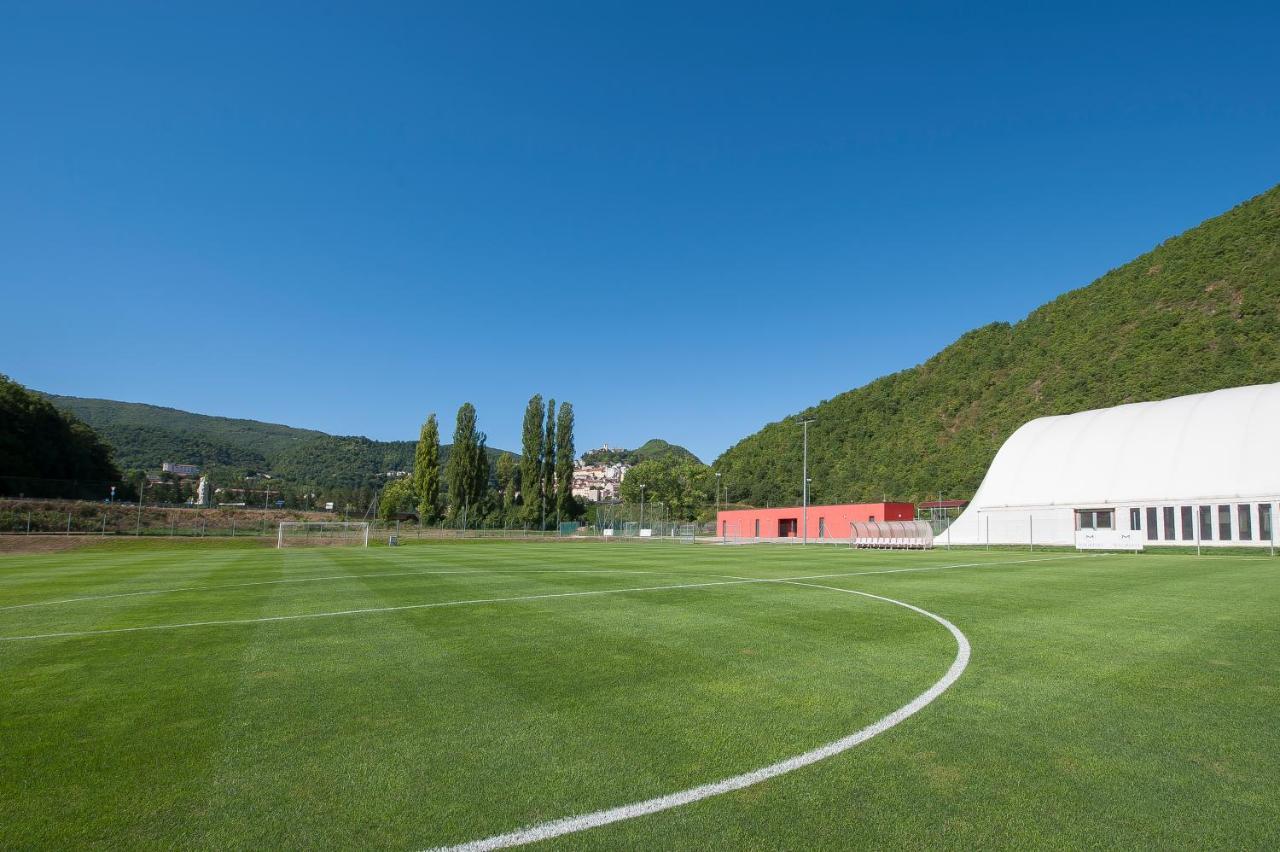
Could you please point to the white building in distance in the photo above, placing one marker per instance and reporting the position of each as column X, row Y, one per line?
column 1194, row 470
column 598, row 483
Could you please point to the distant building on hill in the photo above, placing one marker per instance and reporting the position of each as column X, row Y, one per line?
column 180, row 469
column 598, row 483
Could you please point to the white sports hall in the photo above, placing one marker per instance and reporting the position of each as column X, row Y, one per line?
column 1200, row 470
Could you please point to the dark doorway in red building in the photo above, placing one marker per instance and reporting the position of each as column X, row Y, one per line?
column 787, row 527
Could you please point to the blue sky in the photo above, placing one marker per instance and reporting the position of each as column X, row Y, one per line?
column 687, row 219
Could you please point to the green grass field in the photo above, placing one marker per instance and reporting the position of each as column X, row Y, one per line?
column 161, row 696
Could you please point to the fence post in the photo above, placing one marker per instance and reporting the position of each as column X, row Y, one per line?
column 1031, row 531
column 233, row 527
column 104, row 526
column 68, row 523
column 172, row 522
column 28, row 523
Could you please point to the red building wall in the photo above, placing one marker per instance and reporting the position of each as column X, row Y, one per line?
column 824, row 521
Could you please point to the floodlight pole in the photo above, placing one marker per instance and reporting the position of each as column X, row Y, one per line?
column 142, row 493
column 717, row 491
column 641, row 507
column 805, row 474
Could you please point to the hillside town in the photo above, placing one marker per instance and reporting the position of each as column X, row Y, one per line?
column 598, row 483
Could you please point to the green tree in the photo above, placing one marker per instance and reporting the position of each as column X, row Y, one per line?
column 399, row 496
column 508, row 480
column 683, row 487
column 549, row 464
column 46, row 452
column 464, row 458
column 531, row 459
column 566, row 506
column 481, row 477
column 426, row 470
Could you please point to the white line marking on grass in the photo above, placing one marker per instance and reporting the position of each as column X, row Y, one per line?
column 369, row 610
column 932, row 568
column 595, row 819
column 317, row 579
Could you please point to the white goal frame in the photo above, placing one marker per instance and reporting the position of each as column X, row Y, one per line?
column 320, row 526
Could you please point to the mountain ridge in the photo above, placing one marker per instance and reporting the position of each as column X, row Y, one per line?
column 144, row 435
column 652, row 449
column 1198, row 312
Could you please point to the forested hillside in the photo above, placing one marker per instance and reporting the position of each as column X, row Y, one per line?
column 1200, row 312
column 144, row 436
column 45, row 451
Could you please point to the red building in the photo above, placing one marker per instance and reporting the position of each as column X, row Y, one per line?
column 824, row 521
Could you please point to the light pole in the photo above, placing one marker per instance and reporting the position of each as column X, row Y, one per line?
column 142, row 493
column 717, row 491
column 641, row 507
column 805, row 474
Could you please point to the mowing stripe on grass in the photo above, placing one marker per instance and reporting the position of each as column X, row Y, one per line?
column 317, row 579
column 935, row 567
column 509, row 571
column 366, row 611
column 570, row 825
column 729, row 580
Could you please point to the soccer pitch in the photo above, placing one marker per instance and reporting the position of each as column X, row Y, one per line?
column 226, row 695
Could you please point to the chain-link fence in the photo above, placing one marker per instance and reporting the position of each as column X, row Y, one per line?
column 85, row 518
column 75, row 517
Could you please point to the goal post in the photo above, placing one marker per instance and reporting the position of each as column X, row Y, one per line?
column 322, row 534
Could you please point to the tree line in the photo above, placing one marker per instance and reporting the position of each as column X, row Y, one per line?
column 45, row 452
column 533, row 491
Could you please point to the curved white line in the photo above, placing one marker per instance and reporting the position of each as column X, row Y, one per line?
column 376, row 574
column 570, row 825
column 595, row 819
column 381, row 609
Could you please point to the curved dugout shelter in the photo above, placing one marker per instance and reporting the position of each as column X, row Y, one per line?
column 891, row 535
column 1199, row 469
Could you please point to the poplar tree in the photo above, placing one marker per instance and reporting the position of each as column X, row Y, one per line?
column 531, row 458
column 480, row 475
column 461, row 468
column 508, row 479
column 566, row 506
column 549, row 462
column 426, row 471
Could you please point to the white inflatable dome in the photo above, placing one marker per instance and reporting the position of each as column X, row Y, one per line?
column 1217, row 447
